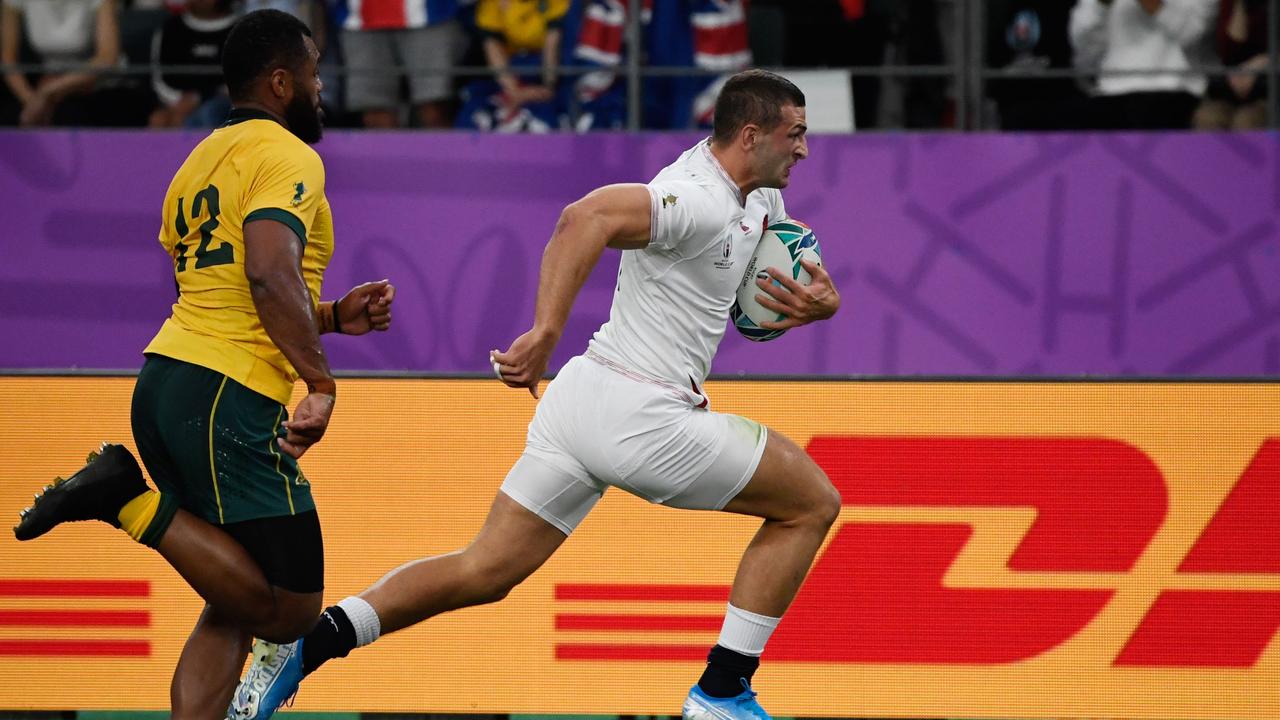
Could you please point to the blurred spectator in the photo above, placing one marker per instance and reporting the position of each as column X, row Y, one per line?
column 193, row 38
column 1238, row 101
column 707, row 34
column 1145, row 35
column 921, row 32
column 63, row 34
column 1026, row 37
column 827, row 33
column 516, row 34
column 382, row 36
column 310, row 12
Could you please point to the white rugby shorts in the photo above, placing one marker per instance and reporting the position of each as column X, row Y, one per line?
column 599, row 425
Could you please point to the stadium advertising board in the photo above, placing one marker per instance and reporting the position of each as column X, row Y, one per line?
column 1029, row 550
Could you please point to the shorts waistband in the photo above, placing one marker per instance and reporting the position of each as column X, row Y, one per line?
column 692, row 395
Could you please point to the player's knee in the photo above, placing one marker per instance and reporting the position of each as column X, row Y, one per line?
column 829, row 504
column 824, row 501
column 493, row 593
column 482, row 591
column 292, row 620
column 489, row 580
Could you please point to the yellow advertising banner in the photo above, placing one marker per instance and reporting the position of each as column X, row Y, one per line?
column 1006, row 550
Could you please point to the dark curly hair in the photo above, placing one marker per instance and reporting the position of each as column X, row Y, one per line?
column 260, row 42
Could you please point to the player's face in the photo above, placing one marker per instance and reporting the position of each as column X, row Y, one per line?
column 303, row 112
column 783, row 147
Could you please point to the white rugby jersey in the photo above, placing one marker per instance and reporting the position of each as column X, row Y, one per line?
column 672, row 300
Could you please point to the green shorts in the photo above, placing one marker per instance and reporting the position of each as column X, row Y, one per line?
column 211, row 443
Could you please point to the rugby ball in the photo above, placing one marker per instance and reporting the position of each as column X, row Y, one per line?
column 782, row 246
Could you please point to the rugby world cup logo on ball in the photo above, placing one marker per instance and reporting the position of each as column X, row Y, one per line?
column 782, row 245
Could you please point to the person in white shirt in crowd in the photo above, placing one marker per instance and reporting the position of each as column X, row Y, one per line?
column 1112, row 36
column 63, row 34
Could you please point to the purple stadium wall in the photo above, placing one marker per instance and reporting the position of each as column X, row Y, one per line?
column 955, row 254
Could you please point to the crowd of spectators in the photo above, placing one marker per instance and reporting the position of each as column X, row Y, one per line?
column 538, row 65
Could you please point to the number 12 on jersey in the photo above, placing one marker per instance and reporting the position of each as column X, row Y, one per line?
column 221, row 255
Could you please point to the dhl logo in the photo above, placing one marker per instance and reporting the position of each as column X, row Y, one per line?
column 896, row 591
column 81, row 629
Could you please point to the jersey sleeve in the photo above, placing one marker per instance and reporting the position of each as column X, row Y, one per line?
column 287, row 186
column 680, row 213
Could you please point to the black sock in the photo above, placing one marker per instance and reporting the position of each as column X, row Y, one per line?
column 725, row 672
column 333, row 636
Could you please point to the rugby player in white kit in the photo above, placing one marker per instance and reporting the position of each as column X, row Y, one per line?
column 630, row 412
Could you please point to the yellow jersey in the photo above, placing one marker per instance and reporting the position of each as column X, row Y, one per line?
column 249, row 169
column 521, row 24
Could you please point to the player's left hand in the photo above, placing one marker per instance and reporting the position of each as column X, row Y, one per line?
column 802, row 304
column 366, row 307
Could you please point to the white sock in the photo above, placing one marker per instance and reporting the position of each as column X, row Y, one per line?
column 746, row 632
column 363, row 617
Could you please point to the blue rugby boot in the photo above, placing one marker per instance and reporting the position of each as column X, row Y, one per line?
column 109, row 479
column 271, row 681
column 743, row 706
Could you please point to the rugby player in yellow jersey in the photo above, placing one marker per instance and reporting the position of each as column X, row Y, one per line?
column 247, row 224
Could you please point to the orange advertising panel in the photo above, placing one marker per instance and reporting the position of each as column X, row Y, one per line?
column 1013, row 550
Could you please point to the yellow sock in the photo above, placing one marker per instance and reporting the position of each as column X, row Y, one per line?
column 136, row 515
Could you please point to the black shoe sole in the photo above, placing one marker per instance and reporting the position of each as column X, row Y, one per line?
column 87, row 495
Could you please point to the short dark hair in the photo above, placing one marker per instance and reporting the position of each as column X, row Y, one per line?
column 753, row 97
column 261, row 41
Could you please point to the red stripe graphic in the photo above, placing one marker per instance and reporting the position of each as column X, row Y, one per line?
column 75, row 618
column 644, row 593
column 80, row 648
column 586, row 651
column 75, row 588
column 647, row 623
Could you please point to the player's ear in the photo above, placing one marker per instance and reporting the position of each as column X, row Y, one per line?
column 281, row 82
column 749, row 136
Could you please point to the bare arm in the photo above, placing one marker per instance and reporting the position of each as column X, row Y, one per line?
column 551, row 56
column 496, row 55
column 272, row 263
column 615, row 216
column 273, row 266
column 10, row 39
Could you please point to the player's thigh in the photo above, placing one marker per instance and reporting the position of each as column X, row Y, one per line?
column 513, row 542
column 372, row 84
column 550, row 485
column 786, row 484
column 433, row 50
column 289, row 550
column 163, row 382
